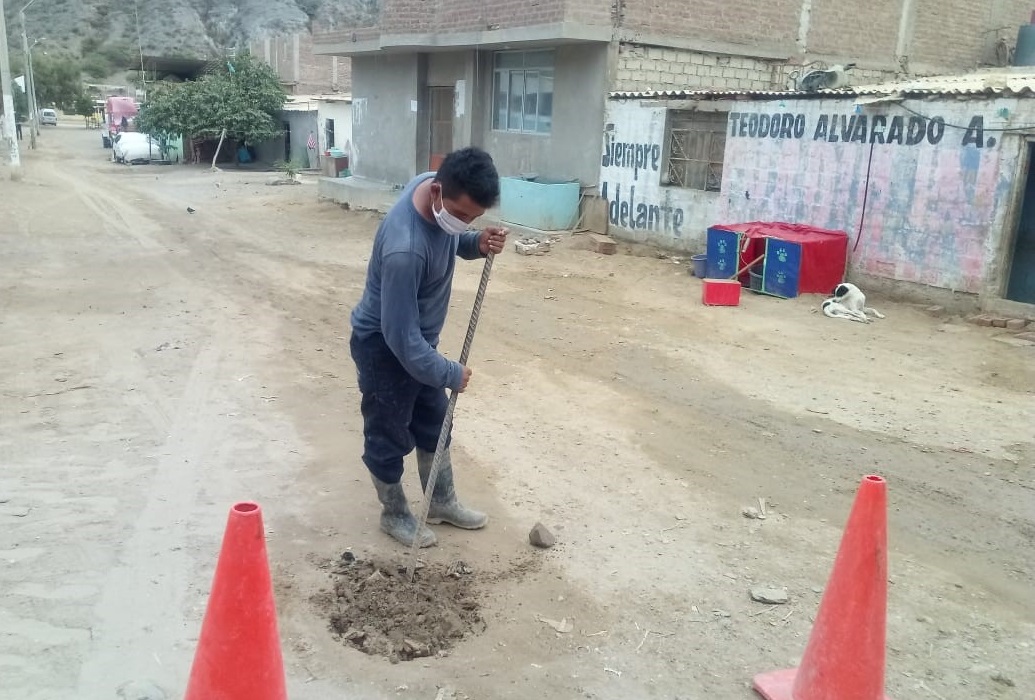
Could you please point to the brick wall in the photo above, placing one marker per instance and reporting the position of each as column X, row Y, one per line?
column 948, row 35
column 961, row 34
column 655, row 68
column 315, row 75
column 410, row 16
column 594, row 12
column 856, row 31
column 768, row 22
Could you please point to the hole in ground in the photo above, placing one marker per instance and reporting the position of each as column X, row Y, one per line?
column 372, row 607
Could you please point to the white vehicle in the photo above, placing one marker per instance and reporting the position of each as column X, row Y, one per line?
column 133, row 147
column 48, row 116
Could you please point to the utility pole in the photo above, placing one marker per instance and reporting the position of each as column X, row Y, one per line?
column 5, row 85
column 30, row 79
column 30, row 86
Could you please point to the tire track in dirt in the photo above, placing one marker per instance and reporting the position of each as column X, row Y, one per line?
column 155, row 568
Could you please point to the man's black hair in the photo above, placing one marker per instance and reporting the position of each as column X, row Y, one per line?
column 469, row 171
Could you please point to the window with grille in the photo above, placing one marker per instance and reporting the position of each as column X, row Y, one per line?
column 522, row 97
column 696, row 143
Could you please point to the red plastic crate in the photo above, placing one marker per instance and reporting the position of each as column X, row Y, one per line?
column 720, row 292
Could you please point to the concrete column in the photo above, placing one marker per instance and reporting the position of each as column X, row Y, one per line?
column 804, row 24
column 906, row 24
column 296, row 73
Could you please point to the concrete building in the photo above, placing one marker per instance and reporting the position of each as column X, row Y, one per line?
column 298, row 118
column 334, row 119
column 327, row 117
column 318, row 98
column 929, row 177
column 527, row 79
column 301, row 71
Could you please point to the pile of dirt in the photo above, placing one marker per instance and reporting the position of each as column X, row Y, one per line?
column 374, row 608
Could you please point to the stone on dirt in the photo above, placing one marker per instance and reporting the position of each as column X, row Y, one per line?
column 140, row 690
column 277, row 180
column 541, row 537
column 601, row 244
column 770, row 595
column 1002, row 679
column 531, row 246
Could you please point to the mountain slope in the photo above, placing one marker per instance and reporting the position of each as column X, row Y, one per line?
column 190, row 28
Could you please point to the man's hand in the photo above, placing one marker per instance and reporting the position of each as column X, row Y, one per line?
column 465, row 377
column 492, row 240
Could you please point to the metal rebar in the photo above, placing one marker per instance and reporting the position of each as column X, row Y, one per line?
column 447, row 422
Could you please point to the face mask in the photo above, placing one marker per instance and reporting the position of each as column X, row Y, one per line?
column 446, row 221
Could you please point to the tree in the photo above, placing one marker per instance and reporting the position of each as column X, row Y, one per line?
column 83, row 105
column 241, row 101
column 58, row 81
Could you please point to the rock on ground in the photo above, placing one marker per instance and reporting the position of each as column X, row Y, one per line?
column 771, row 595
column 541, row 537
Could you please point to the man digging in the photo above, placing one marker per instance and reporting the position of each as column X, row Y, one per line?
column 395, row 334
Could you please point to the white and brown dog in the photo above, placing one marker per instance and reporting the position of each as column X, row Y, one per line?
column 849, row 302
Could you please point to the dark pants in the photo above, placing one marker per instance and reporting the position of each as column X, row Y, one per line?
column 398, row 411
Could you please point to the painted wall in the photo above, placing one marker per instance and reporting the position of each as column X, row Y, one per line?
column 570, row 151
column 341, row 113
column 385, row 91
column 301, row 124
column 273, row 151
column 935, row 178
column 631, row 163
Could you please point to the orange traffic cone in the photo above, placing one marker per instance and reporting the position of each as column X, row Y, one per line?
column 238, row 655
column 844, row 658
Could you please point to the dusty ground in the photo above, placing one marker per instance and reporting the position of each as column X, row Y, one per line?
column 156, row 366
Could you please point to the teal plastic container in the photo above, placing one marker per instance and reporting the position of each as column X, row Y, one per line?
column 548, row 205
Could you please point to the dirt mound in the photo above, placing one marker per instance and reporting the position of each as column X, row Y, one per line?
column 374, row 608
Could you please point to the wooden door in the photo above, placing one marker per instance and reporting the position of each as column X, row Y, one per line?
column 441, row 109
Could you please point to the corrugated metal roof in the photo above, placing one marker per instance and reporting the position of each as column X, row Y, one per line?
column 1016, row 82
column 336, row 97
column 308, row 103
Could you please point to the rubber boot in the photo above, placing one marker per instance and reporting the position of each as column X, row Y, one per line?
column 445, row 508
column 396, row 518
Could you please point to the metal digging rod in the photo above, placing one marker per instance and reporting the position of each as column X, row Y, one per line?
column 447, row 423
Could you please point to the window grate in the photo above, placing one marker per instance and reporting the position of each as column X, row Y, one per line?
column 696, row 145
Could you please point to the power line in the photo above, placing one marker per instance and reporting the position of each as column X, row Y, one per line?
column 998, row 130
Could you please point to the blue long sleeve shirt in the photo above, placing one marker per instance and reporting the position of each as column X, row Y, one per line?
column 409, row 280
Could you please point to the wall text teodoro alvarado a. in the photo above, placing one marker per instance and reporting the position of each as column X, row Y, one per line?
column 857, row 128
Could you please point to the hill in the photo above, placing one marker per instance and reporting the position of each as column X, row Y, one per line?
column 188, row 28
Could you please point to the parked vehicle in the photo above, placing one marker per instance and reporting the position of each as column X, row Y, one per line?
column 48, row 117
column 119, row 113
column 133, row 148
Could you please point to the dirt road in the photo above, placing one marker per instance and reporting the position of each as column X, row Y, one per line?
column 157, row 366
